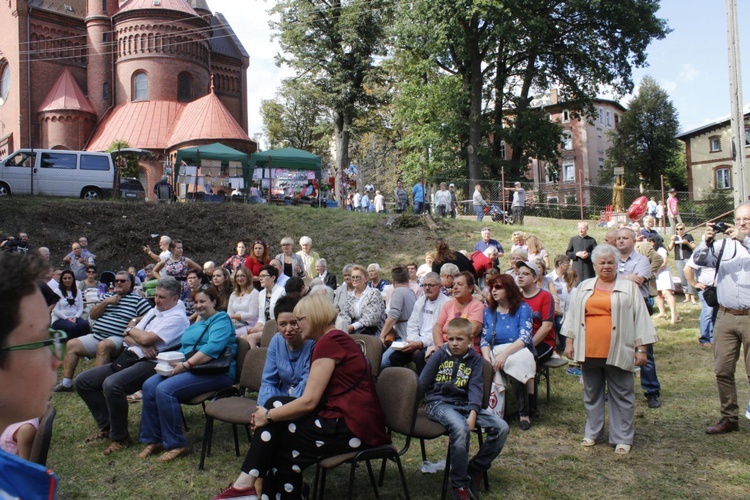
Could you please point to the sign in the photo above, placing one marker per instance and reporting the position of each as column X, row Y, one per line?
column 619, row 170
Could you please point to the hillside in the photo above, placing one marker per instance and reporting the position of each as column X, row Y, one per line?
column 118, row 230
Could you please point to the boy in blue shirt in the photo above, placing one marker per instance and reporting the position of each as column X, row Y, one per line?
column 452, row 383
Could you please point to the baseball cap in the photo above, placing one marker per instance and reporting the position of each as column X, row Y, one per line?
column 525, row 263
column 452, row 185
column 672, row 190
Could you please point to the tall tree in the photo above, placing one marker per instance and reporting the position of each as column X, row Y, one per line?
column 333, row 45
column 644, row 142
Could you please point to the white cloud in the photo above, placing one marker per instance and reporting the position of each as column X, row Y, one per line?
column 689, row 72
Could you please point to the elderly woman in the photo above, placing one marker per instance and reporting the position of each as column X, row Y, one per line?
column 267, row 298
column 365, row 310
column 608, row 330
column 463, row 305
column 66, row 315
column 288, row 360
column 238, row 259
column 447, row 272
column 338, row 412
column 222, row 282
column 344, row 289
column 176, row 266
column 291, row 263
column 257, row 259
column 506, row 340
column 202, row 342
column 242, row 307
column 309, row 258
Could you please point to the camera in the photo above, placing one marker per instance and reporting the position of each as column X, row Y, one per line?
column 721, row 227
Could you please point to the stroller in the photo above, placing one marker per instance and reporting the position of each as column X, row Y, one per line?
column 498, row 215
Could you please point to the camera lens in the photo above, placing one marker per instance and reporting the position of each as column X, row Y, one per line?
column 721, row 227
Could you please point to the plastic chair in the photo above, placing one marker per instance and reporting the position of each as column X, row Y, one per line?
column 397, row 390
column 269, row 330
column 235, row 409
column 372, row 348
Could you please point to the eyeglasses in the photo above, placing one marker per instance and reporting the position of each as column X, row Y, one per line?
column 680, row 228
column 429, row 285
column 122, row 281
column 264, row 276
column 56, row 343
column 498, row 286
column 299, row 320
column 259, row 242
column 357, row 277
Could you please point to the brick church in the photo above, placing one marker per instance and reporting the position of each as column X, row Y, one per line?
column 157, row 74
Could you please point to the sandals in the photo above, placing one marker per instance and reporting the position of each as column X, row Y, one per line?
column 136, row 397
column 622, row 449
column 170, row 455
column 98, row 436
column 150, row 449
column 588, row 442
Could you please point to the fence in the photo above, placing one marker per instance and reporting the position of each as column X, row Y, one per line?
column 575, row 201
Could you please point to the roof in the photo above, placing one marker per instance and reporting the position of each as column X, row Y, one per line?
column 176, row 5
column 143, row 124
column 206, row 118
column 72, row 8
column 286, row 158
column 200, row 5
column 224, row 41
column 65, row 94
column 215, row 151
column 720, row 123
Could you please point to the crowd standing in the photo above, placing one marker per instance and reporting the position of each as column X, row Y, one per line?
column 444, row 318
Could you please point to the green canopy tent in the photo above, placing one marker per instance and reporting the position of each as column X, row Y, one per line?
column 215, row 151
column 286, row 159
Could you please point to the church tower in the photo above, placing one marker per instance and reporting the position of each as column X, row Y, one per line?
column 101, row 46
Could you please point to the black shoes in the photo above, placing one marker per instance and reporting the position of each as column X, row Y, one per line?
column 653, row 401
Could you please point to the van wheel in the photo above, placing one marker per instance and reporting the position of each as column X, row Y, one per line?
column 91, row 194
column 4, row 189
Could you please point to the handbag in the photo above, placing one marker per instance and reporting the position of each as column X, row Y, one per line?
column 709, row 293
column 125, row 359
column 216, row 366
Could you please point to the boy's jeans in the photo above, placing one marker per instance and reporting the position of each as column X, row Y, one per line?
column 454, row 418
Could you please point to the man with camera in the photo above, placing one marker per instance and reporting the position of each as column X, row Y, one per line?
column 732, row 328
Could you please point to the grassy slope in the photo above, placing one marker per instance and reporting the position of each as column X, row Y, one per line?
column 672, row 456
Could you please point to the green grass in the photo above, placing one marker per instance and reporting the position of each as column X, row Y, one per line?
column 672, row 456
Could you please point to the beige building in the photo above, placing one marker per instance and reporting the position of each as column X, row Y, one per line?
column 708, row 154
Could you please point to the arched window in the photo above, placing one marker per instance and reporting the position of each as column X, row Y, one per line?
column 184, row 87
column 140, row 86
column 105, row 91
column 4, row 81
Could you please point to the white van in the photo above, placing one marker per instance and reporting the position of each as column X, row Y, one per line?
column 52, row 172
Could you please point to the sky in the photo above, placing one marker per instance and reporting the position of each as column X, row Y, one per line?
column 690, row 63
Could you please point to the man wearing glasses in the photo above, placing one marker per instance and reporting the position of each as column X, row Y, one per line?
column 732, row 327
column 117, row 311
column 105, row 390
column 29, row 356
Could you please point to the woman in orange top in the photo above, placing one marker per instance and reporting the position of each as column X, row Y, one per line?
column 608, row 329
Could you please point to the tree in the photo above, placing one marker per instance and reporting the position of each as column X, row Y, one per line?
column 333, row 45
column 297, row 118
column 126, row 163
column 644, row 142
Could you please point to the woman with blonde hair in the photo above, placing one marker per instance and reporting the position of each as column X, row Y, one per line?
column 536, row 250
column 365, row 310
column 242, row 306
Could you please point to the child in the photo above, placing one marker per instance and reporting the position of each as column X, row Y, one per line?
column 452, row 384
column 17, row 439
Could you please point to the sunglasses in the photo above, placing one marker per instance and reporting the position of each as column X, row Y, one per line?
column 498, row 286
column 259, row 242
column 56, row 343
column 122, row 281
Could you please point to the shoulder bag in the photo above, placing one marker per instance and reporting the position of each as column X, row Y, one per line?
column 709, row 293
column 216, row 366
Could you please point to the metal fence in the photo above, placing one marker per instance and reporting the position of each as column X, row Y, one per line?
column 575, row 201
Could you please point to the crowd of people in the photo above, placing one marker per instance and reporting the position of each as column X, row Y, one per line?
column 592, row 304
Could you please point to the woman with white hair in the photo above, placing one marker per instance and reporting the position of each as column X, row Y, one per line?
column 344, row 289
column 291, row 263
column 309, row 258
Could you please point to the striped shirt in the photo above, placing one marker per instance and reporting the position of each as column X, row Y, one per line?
column 116, row 317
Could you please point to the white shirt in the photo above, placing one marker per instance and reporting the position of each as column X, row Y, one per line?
column 168, row 325
column 422, row 319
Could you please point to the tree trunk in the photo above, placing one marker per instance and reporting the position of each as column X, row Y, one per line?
column 341, row 131
column 473, row 82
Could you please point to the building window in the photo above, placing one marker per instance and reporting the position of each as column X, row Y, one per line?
column 184, row 87
column 723, row 178
column 105, row 37
column 105, row 91
column 569, row 171
column 567, row 140
column 601, row 163
column 609, row 119
column 617, row 119
column 140, row 86
column 104, row 5
column 601, row 115
column 714, row 144
column 4, row 81
column 565, row 116
column 502, row 150
column 747, row 136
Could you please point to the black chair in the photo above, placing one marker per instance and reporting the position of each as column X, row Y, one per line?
column 542, row 371
column 43, row 438
column 397, row 390
column 236, row 409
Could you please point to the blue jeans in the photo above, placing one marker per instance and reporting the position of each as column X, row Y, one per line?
column 479, row 211
column 649, row 380
column 454, row 418
column 706, row 321
column 161, row 416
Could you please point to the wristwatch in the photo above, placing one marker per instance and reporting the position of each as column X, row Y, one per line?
column 642, row 351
